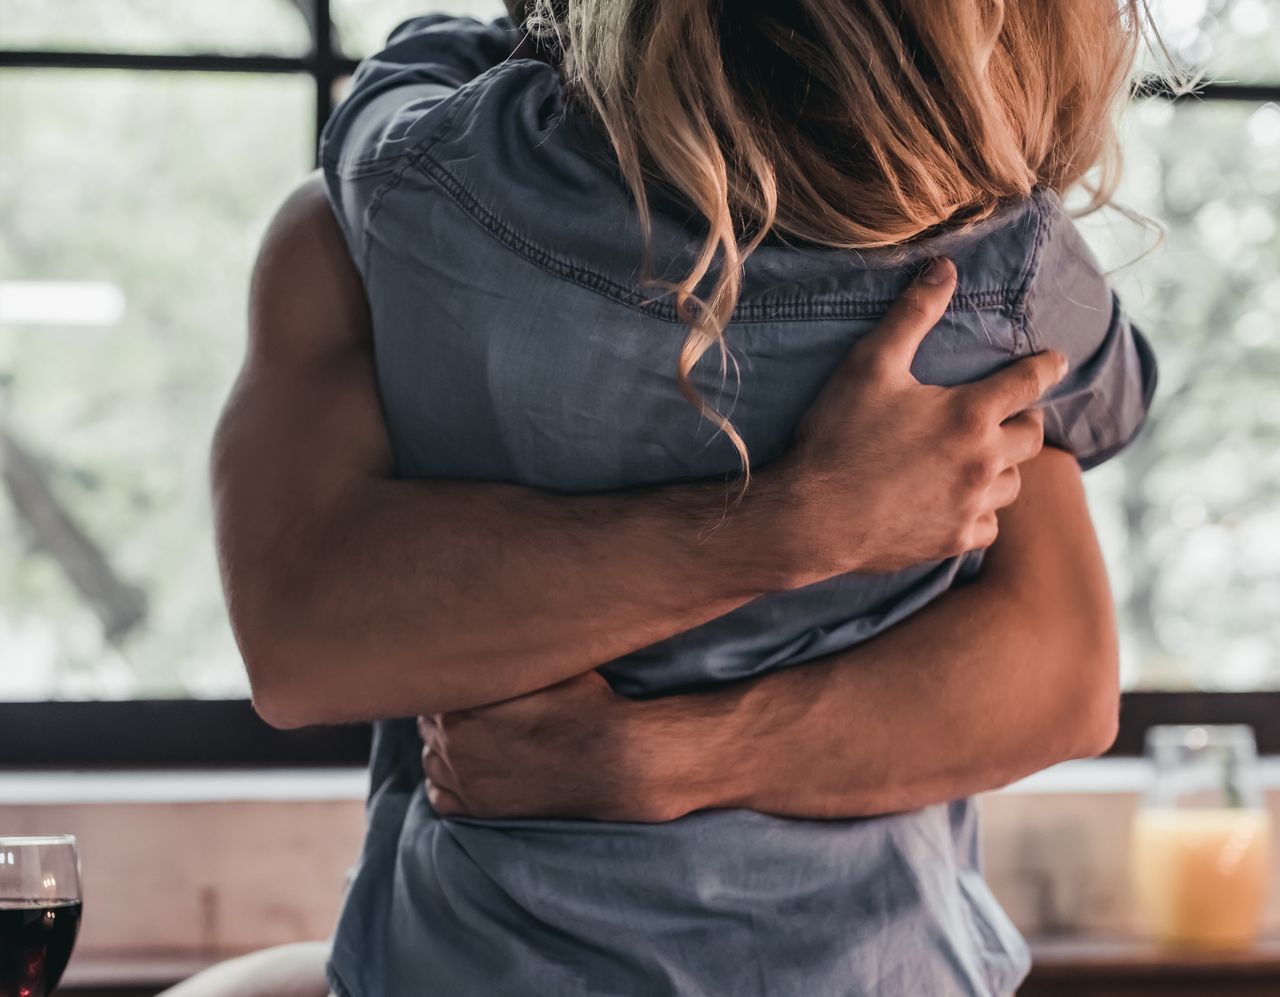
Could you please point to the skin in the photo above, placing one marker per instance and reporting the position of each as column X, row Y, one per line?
column 309, row 341
column 328, row 559
column 457, row 594
column 577, row 749
column 283, row 971
column 303, row 435
column 997, row 679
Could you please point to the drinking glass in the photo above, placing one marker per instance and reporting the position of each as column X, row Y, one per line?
column 39, row 912
column 1201, row 841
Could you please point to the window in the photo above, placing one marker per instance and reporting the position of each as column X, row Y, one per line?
column 131, row 219
column 138, row 173
column 230, row 27
column 1190, row 514
column 145, row 146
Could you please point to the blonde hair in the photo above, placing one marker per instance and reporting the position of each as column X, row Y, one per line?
column 850, row 124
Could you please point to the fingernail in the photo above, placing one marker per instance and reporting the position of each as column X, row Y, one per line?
column 938, row 272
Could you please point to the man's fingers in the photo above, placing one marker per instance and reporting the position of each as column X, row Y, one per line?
column 1023, row 436
column 438, row 770
column 1021, row 384
column 1004, row 490
column 898, row 335
column 444, row 802
column 985, row 531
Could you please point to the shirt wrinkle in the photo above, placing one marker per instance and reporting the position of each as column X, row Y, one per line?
column 514, row 343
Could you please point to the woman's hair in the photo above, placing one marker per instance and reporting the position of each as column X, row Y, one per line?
column 847, row 123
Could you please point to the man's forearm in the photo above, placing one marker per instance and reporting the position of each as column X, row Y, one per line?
column 382, row 597
column 908, row 723
column 525, row 588
column 993, row 681
column 355, row 595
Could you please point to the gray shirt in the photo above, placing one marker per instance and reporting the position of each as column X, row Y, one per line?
column 513, row 343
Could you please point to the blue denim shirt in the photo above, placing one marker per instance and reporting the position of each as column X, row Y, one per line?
column 513, row 343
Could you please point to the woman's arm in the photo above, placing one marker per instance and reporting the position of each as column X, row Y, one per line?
column 995, row 680
column 354, row 595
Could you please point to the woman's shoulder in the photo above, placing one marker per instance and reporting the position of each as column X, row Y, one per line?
column 444, row 116
column 444, row 87
column 405, row 95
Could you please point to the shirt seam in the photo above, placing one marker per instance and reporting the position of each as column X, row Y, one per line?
column 374, row 163
column 1022, row 305
column 396, row 166
column 758, row 311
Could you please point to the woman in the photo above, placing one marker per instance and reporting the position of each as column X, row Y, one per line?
column 549, row 247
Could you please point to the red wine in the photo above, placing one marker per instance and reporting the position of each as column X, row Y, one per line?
column 36, row 938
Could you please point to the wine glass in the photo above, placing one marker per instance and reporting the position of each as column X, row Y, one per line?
column 39, row 912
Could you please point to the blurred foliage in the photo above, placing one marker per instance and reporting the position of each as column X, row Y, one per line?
column 1233, row 41
column 161, row 184
column 232, row 27
column 363, row 25
column 1190, row 514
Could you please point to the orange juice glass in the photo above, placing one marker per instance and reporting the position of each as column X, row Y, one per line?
column 1201, row 843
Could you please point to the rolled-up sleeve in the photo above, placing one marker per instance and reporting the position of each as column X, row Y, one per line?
column 397, row 102
column 1101, row 405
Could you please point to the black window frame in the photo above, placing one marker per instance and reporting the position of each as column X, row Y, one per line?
column 323, row 62
column 193, row 733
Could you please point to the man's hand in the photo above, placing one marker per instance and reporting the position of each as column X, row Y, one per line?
column 991, row 682
column 576, row 749
column 886, row 472
column 327, row 557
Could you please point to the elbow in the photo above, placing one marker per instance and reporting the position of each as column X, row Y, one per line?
column 1099, row 726
column 285, row 669
column 292, row 641
column 280, row 709
column 1071, row 705
column 1096, row 720
column 280, row 715
column 278, row 693
column 302, row 677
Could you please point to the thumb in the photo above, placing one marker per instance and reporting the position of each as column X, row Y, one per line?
column 896, row 338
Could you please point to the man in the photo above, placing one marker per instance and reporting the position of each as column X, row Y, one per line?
column 313, row 523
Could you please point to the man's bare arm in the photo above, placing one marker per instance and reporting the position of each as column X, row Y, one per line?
column 1009, row 674
column 996, row 680
column 355, row 595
